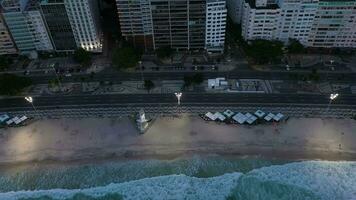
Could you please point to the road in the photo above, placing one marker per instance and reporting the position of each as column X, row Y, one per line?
column 187, row 99
column 114, row 76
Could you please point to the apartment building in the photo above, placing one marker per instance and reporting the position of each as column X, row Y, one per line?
column 259, row 20
column 26, row 26
column 7, row 46
column 215, row 25
column 334, row 24
column 58, row 25
column 296, row 19
column 315, row 23
column 179, row 24
column 84, row 19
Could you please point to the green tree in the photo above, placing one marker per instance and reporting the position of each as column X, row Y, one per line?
column 264, row 51
column 125, row 57
column 82, row 56
column 11, row 84
column 149, row 85
column 295, row 46
column 164, row 52
column 4, row 62
column 198, row 78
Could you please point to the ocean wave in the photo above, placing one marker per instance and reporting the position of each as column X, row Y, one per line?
column 158, row 188
column 80, row 176
column 313, row 180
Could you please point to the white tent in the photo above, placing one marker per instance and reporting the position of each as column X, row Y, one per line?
column 278, row 117
column 228, row 113
column 248, row 115
column 220, row 116
column 210, row 116
column 9, row 122
column 251, row 120
column 239, row 118
column 269, row 117
column 4, row 117
column 260, row 113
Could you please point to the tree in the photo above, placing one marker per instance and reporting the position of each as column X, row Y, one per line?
column 148, row 84
column 264, row 51
column 196, row 79
column 295, row 46
column 82, row 56
column 11, row 84
column 125, row 57
column 4, row 62
column 164, row 52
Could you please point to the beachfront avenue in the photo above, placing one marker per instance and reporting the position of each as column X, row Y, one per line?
column 188, row 99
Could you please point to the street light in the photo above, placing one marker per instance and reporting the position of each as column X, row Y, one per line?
column 332, row 98
column 179, row 96
column 140, row 63
column 30, row 100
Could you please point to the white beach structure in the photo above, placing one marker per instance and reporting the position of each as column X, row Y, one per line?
column 269, row 117
column 211, row 116
column 228, row 113
column 278, row 117
column 240, row 118
column 142, row 122
column 260, row 114
column 4, row 118
column 220, row 116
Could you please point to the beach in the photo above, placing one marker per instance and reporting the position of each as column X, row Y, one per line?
column 170, row 137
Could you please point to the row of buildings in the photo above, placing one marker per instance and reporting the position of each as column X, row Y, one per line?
column 31, row 26
column 179, row 24
column 315, row 23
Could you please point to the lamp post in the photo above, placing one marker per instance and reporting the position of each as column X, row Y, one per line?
column 179, row 96
column 59, row 82
column 332, row 98
column 30, row 100
column 140, row 63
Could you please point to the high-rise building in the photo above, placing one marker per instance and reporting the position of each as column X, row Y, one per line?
column 315, row 23
column 73, row 24
column 215, row 25
column 58, row 24
column 179, row 24
column 334, row 24
column 7, row 46
column 26, row 25
column 85, row 21
column 259, row 22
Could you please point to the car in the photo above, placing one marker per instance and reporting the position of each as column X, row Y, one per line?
column 26, row 72
column 68, row 75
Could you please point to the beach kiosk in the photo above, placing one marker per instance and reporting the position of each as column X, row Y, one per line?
column 142, row 122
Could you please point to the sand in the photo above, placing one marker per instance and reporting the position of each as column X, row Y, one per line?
column 96, row 138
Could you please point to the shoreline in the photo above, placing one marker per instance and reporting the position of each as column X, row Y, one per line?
column 91, row 140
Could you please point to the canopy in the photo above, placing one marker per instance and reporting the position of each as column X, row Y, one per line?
column 269, row 117
column 228, row 113
column 278, row 117
column 239, row 118
column 220, row 116
column 4, row 117
column 259, row 113
column 210, row 116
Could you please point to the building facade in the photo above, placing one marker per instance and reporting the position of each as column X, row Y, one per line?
column 26, row 25
column 84, row 19
column 334, row 24
column 58, row 25
column 215, row 25
column 314, row 23
column 259, row 22
column 7, row 46
column 234, row 9
column 179, row 24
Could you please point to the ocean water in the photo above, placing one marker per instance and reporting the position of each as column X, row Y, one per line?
column 208, row 177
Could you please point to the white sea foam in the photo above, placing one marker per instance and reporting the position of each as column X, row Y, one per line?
column 327, row 180
column 163, row 187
